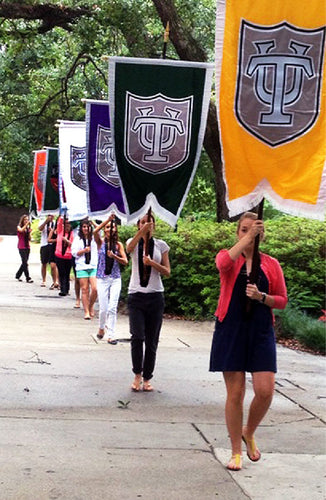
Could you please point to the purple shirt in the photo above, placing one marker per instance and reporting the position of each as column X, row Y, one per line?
column 115, row 273
column 22, row 241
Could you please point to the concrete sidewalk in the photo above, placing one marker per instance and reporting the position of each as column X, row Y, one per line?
column 70, row 428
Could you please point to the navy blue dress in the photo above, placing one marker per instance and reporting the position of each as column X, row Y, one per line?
column 244, row 342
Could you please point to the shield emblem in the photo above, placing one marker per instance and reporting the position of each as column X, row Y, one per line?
column 78, row 167
column 279, row 80
column 106, row 167
column 54, row 177
column 157, row 131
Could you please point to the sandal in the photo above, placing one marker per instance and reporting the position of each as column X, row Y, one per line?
column 147, row 387
column 235, row 462
column 112, row 341
column 44, row 284
column 135, row 386
column 52, row 287
column 253, row 452
column 100, row 335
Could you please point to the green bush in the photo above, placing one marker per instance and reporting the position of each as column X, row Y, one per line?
column 36, row 233
column 193, row 288
column 309, row 331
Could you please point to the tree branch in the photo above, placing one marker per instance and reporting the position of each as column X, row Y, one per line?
column 49, row 14
column 81, row 58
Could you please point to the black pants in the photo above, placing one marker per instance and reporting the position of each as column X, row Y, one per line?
column 145, row 320
column 64, row 268
column 24, row 255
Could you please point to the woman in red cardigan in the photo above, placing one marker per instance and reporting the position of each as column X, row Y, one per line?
column 245, row 342
column 63, row 256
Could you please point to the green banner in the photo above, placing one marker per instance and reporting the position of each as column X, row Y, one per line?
column 51, row 193
column 159, row 111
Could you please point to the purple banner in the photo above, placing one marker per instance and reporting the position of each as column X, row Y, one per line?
column 103, row 191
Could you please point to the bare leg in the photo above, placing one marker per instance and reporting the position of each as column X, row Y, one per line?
column 54, row 273
column 84, row 285
column 263, row 384
column 235, row 387
column 77, row 292
column 43, row 273
column 93, row 295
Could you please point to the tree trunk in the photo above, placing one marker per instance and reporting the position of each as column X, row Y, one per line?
column 188, row 49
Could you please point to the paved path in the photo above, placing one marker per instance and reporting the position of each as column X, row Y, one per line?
column 71, row 429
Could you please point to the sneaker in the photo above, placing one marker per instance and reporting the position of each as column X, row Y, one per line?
column 29, row 280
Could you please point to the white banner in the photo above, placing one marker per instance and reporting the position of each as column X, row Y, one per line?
column 72, row 167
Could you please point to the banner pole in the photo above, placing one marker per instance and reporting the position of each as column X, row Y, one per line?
column 255, row 257
column 166, row 39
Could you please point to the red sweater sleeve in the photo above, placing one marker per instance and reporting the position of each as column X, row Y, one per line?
column 277, row 287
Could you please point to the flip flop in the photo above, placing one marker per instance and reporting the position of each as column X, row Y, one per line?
column 147, row 387
column 251, row 449
column 235, row 462
column 112, row 341
column 136, row 385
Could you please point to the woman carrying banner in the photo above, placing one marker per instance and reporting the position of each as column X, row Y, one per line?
column 146, row 299
column 62, row 253
column 245, row 342
column 84, row 250
column 24, row 238
column 110, row 255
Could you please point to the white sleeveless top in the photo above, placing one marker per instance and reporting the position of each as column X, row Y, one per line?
column 155, row 282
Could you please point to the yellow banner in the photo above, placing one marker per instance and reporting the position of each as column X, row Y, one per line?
column 271, row 100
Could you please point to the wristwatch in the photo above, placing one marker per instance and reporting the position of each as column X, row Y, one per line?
column 263, row 297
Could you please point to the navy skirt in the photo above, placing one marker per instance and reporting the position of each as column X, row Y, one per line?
column 244, row 342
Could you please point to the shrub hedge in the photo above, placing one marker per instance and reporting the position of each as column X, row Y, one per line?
column 193, row 288
column 298, row 325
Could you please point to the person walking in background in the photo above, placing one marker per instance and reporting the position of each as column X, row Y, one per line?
column 24, row 238
column 63, row 254
column 47, row 252
column 84, row 249
column 111, row 254
column 244, row 341
column 146, row 299
column 75, row 227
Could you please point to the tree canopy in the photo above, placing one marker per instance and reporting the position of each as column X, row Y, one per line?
column 51, row 56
